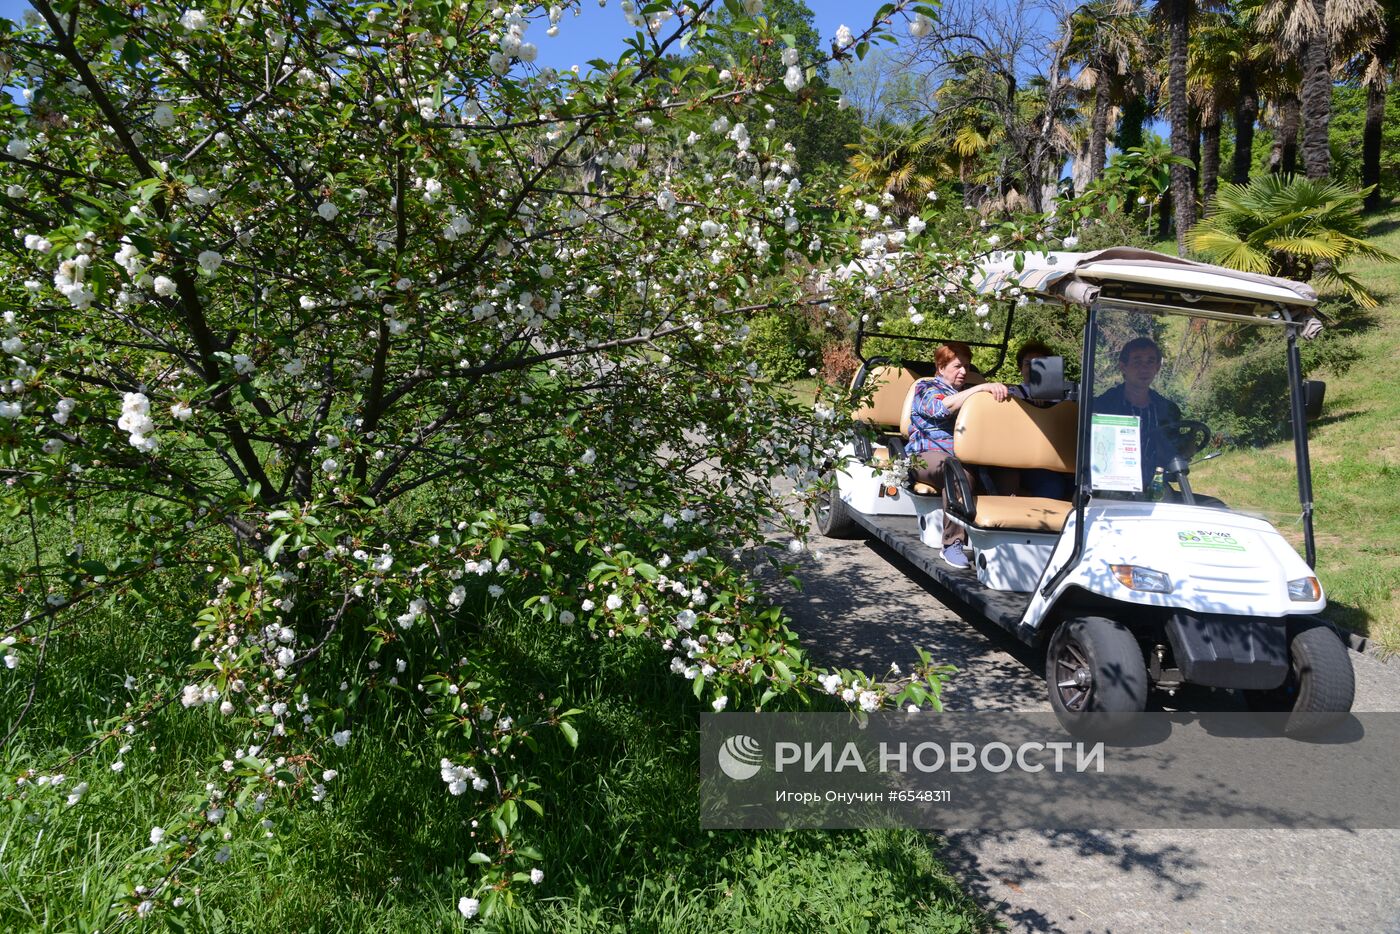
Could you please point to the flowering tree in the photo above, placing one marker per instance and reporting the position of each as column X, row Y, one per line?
column 360, row 321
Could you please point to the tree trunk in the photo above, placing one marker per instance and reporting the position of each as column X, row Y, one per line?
column 1080, row 174
column 1194, row 124
column 1317, row 100
column 1284, row 157
column 1210, row 159
column 1098, row 128
column 1371, row 143
column 1246, row 112
column 1183, row 198
column 1130, row 125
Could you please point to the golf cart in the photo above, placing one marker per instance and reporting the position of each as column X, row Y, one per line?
column 1146, row 575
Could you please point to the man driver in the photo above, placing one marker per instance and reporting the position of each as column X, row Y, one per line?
column 1140, row 360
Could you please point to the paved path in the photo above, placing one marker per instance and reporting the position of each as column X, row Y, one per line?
column 860, row 608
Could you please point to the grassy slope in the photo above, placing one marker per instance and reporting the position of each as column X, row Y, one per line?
column 1355, row 450
column 1356, row 462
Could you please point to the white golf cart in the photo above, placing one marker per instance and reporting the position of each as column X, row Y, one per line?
column 1143, row 576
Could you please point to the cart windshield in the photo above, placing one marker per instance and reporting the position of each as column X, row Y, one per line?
column 1170, row 390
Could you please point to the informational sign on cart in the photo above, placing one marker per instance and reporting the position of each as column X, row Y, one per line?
column 1116, row 446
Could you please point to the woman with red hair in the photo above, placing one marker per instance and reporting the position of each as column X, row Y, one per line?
column 932, row 415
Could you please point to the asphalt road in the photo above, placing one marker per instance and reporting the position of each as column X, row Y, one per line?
column 862, row 606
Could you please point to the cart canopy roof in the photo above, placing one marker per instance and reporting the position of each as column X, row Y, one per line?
column 1145, row 277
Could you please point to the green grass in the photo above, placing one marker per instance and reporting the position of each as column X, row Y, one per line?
column 388, row 850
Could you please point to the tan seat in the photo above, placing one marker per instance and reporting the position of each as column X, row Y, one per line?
column 1019, row 435
column 1026, row 513
column 891, row 386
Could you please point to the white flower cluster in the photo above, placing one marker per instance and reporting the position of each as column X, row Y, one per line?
column 868, row 700
column 512, row 43
column 194, row 20
column 68, row 280
column 795, row 79
column 416, row 608
column 136, row 419
column 458, row 777
column 195, row 695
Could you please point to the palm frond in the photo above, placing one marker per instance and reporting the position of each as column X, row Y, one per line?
column 1348, row 283
column 1228, row 250
column 1317, row 245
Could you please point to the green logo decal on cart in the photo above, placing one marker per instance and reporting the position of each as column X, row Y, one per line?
column 1202, row 538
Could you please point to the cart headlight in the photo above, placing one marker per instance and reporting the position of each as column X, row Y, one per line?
column 1136, row 578
column 1305, row 589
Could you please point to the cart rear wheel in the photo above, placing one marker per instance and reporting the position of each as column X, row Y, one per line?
column 834, row 516
column 1320, row 685
column 1095, row 672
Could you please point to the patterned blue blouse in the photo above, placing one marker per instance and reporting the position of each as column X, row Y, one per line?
column 930, row 422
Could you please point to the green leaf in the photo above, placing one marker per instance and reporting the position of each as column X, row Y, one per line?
column 570, row 734
column 275, row 548
column 498, row 545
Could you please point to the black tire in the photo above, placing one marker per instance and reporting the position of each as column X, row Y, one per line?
column 1320, row 686
column 834, row 516
column 1096, row 676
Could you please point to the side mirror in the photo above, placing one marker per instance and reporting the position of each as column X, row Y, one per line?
column 1313, row 392
column 1047, row 379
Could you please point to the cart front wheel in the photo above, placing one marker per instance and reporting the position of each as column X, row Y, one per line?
column 1096, row 675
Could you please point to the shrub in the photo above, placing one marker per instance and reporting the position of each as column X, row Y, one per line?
column 783, row 345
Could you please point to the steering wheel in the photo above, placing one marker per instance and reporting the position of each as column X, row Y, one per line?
column 1187, row 436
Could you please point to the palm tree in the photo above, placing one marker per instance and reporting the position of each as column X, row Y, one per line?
column 1005, row 132
column 1107, row 37
column 1372, row 63
column 1379, row 65
column 903, row 159
column 1309, row 30
column 1213, row 63
column 1284, row 225
column 1176, row 15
